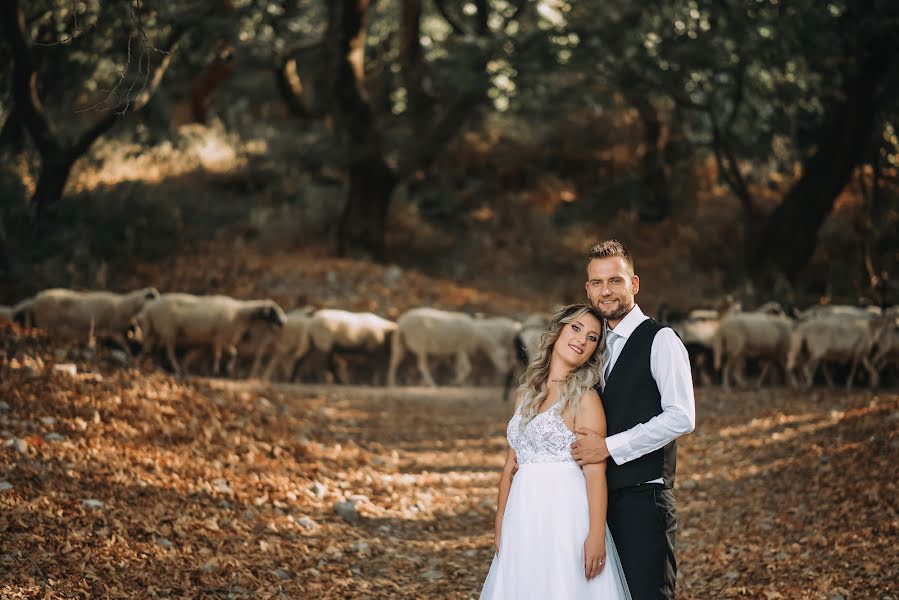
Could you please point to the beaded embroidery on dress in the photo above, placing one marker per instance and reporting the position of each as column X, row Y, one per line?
column 546, row 521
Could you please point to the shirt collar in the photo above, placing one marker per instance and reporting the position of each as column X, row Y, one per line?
column 630, row 322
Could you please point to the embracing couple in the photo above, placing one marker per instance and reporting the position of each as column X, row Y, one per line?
column 586, row 508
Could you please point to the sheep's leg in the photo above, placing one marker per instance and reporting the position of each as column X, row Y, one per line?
column 852, row 374
column 873, row 372
column 764, row 373
column 397, row 352
column 810, row 369
column 463, row 367
column 827, row 376
column 340, row 367
column 725, row 374
column 273, row 364
column 170, row 352
column 423, row 369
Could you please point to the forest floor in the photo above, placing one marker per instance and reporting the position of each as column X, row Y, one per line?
column 122, row 483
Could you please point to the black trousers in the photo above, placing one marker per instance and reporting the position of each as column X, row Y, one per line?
column 643, row 521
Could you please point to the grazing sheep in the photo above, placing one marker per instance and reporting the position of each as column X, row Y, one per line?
column 743, row 335
column 216, row 322
column 885, row 342
column 289, row 345
column 832, row 338
column 527, row 345
column 697, row 331
column 337, row 332
column 85, row 315
column 845, row 310
column 429, row 331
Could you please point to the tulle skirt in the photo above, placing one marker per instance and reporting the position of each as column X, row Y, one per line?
column 541, row 554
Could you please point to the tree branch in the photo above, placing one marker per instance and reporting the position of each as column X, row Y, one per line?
column 441, row 8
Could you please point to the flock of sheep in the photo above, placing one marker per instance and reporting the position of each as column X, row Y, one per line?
column 230, row 333
column 825, row 336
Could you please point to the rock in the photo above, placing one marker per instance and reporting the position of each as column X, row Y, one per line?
column 222, row 487
column 362, row 548
column 165, row 543
column 4, row 407
column 731, row 575
column 307, row 523
column 347, row 511
column 687, row 484
column 91, row 503
column 5, row 485
column 312, row 572
column 48, row 421
column 282, row 573
column 66, row 368
column 54, row 437
column 20, row 445
column 319, row 490
column 208, row 567
column 433, row 574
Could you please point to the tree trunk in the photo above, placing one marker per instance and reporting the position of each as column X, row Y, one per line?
column 364, row 219
column 51, row 181
column 656, row 204
column 787, row 239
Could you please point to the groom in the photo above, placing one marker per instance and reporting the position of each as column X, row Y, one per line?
column 648, row 399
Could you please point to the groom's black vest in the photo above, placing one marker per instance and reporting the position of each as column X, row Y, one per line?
column 630, row 397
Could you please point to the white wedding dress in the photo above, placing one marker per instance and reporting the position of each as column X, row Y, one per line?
column 541, row 555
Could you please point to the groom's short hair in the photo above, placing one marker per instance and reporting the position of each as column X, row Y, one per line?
column 610, row 248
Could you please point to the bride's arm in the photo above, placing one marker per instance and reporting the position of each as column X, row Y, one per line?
column 505, row 484
column 592, row 416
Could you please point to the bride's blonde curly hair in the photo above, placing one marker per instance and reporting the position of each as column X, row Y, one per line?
column 533, row 388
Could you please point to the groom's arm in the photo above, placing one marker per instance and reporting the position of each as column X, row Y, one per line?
column 670, row 367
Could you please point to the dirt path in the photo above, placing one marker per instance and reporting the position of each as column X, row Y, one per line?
column 212, row 489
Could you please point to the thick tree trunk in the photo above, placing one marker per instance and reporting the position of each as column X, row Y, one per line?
column 656, row 204
column 364, row 219
column 51, row 182
column 788, row 237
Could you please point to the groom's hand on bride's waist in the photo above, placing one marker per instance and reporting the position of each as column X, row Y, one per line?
column 590, row 447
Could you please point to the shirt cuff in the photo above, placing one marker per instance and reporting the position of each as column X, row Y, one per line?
column 619, row 448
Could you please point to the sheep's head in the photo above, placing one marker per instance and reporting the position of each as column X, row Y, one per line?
column 270, row 313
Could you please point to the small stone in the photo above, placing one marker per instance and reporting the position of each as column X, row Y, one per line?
column 319, row 490
column 208, row 567
column 91, row 503
column 4, row 406
column 222, row 487
column 433, row 574
column 307, row 523
column 282, row 573
column 688, row 484
column 165, row 543
column 48, row 421
column 732, row 575
column 312, row 572
column 5, row 485
column 66, row 368
column 20, row 445
column 347, row 511
column 471, row 553
column 54, row 437
column 362, row 548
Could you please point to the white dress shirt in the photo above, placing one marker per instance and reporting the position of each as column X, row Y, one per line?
column 670, row 367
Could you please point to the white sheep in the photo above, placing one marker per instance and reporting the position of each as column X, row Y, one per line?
column 216, row 322
column 289, row 345
column 697, row 331
column 885, row 342
column 432, row 332
column 85, row 315
column 743, row 335
column 832, row 338
column 337, row 332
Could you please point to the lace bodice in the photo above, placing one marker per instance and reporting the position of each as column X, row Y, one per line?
column 546, row 439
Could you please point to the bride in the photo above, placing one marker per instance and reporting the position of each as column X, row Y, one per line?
column 551, row 539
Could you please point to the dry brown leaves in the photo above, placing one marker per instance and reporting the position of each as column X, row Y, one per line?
column 121, row 484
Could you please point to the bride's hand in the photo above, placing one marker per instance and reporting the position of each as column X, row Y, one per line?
column 594, row 554
column 496, row 535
